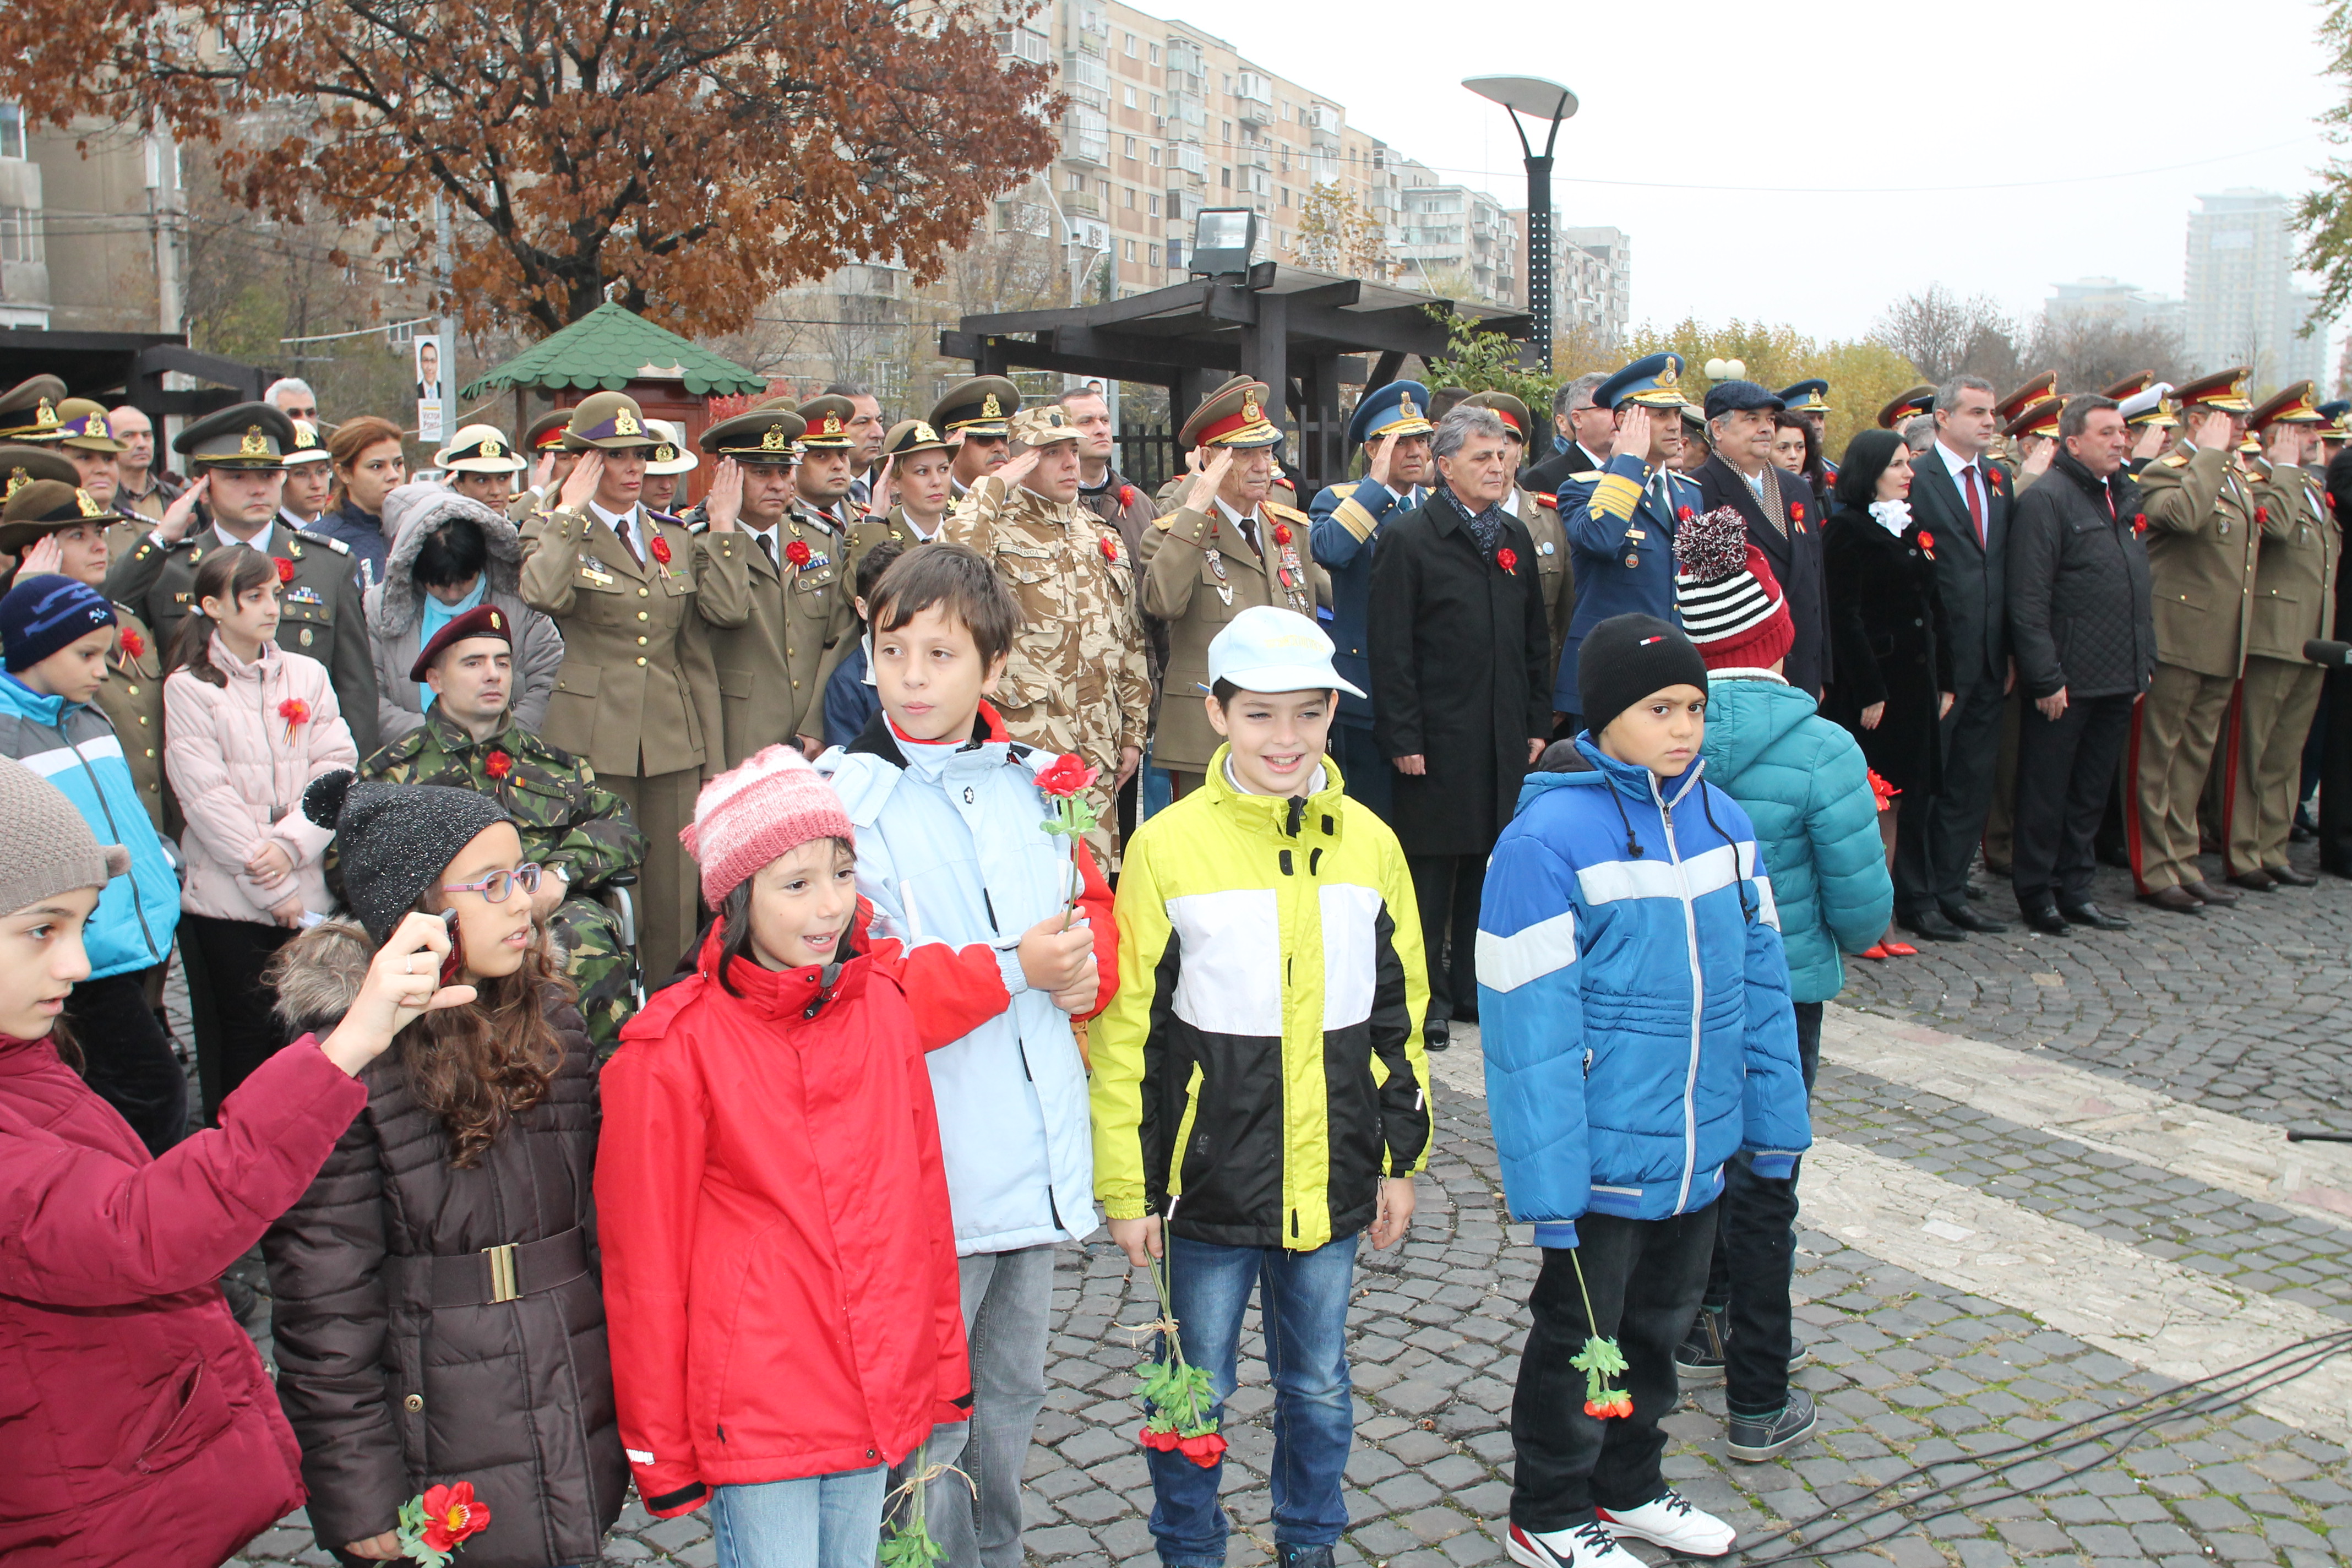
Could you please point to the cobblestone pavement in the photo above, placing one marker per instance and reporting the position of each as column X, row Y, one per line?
column 2223, row 1011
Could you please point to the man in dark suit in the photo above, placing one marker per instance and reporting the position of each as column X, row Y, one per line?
column 1964, row 501
column 1585, row 426
column 1781, row 520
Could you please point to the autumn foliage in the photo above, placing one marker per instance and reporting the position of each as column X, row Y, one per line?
column 696, row 156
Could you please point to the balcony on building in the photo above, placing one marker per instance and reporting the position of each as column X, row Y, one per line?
column 1020, row 42
column 1086, row 137
column 1252, row 98
column 1085, row 79
column 1323, row 127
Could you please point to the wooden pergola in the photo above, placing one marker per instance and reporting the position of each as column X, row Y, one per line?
column 1305, row 334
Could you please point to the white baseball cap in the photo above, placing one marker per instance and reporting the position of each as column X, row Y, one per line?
column 1267, row 649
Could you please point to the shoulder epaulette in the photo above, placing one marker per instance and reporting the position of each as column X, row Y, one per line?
column 328, row 540
column 1291, row 512
column 1547, row 497
column 1590, row 476
column 2172, row 460
column 1165, row 523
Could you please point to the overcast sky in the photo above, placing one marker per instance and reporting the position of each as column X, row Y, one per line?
column 1842, row 97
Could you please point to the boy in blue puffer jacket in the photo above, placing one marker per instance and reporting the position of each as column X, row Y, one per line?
column 1803, row 783
column 1634, row 1006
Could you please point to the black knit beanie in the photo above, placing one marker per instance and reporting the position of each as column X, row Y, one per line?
column 1625, row 658
column 394, row 840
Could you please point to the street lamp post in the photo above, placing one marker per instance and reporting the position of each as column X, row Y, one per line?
column 1540, row 100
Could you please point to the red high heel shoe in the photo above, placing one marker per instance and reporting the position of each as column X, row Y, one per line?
column 1899, row 950
column 1875, row 950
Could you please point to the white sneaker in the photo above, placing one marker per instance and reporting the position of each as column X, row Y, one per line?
column 1669, row 1521
column 1586, row 1546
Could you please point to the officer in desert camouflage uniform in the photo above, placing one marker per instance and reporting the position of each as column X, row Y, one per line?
column 1077, row 680
column 579, row 832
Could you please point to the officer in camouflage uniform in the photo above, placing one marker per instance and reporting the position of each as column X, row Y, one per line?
column 581, row 834
column 1078, row 679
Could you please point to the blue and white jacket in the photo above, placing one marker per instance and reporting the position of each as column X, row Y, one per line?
column 1632, row 999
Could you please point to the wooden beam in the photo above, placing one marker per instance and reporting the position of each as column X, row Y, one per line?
column 1222, row 351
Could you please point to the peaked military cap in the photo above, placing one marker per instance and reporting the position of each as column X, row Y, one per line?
column 2151, row 405
column 1807, row 397
column 43, row 507
column 1401, row 408
column 2224, row 390
column 909, row 437
column 1232, row 415
column 761, row 435
column 2032, row 391
column 546, row 432
column 83, row 424
column 979, row 406
column 29, row 410
column 2336, row 413
column 20, row 466
column 1652, row 380
column 608, row 422
column 672, row 456
column 828, row 419
column 308, row 448
column 2290, row 406
column 242, row 436
column 1046, row 424
column 1918, row 400
column 2131, row 385
column 2038, row 418
column 481, row 621
column 1506, row 407
column 474, row 450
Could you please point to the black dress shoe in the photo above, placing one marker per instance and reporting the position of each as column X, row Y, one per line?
column 2045, row 919
column 2088, row 914
column 2213, row 895
column 1931, row 924
column 1433, row 1036
column 1979, row 890
column 2290, row 877
column 2180, row 900
column 1968, row 918
column 2256, row 881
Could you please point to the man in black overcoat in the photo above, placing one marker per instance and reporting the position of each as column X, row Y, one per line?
column 1782, row 517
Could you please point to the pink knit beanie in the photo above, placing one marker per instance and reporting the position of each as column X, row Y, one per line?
column 769, row 806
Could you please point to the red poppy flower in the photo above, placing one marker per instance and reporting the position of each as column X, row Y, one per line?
column 1282, row 533
column 294, row 710
column 1164, row 1441
column 2261, row 515
column 285, row 569
column 797, row 552
column 1683, row 515
column 1109, row 545
column 1066, row 777
column 1126, row 495
column 2139, row 522
column 1797, row 511
column 1508, row 559
column 1204, row 1450
column 133, row 645
column 453, row 1514
column 1621, row 1405
column 498, row 764
column 1926, row 539
column 658, row 548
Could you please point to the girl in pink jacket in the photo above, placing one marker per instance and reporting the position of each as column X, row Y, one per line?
column 246, row 726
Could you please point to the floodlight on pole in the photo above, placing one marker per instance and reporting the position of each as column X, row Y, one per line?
column 1540, row 100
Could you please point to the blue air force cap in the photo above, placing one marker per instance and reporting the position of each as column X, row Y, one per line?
column 1652, row 382
column 1399, row 408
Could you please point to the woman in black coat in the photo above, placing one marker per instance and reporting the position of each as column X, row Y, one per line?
column 1888, row 641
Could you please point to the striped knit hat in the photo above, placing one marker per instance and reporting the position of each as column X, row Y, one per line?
column 769, row 805
column 1731, row 607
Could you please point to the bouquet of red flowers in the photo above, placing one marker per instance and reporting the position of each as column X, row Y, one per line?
column 1177, row 1393
column 1073, row 818
column 432, row 1527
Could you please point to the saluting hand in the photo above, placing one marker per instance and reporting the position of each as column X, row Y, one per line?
column 2213, row 430
column 724, row 504
column 1208, row 481
column 877, row 503
column 1016, row 469
column 181, row 515
column 582, row 482
column 1383, row 452
column 1634, row 435
column 2150, row 442
column 42, row 558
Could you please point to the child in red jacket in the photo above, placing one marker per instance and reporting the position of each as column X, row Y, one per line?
column 780, row 1269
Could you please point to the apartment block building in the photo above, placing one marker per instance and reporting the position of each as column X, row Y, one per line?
column 2244, row 304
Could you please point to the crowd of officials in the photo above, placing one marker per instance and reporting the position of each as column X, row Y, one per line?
column 660, row 995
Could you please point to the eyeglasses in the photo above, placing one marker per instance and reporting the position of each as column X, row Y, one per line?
column 499, row 884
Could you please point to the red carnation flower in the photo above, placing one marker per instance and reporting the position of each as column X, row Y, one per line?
column 1110, row 545
column 1508, row 559
column 2262, row 514
column 1282, row 533
column 658, row 548
column 2139, row 522
column 294, row 710
column 453, row 1514
column 285, row 569
column 797, row 552
column 1797, row 511
column 1683, row 515
column 133, row 645
column 1127, row 495
column 1066, row 777
column 1926, row 539
column 1204, row 1450
column 498, row 764
column 1150, row 1438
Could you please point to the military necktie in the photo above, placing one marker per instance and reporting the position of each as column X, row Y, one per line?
column 768, row 547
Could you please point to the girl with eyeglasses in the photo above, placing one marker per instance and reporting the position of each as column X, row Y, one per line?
column 438, row 1316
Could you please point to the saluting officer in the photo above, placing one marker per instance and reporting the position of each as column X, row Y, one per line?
column 1810, row 401
column 773, row 586
column 637, row 695
column 1225, row 548
column 971, row 417
column 1279, row 489
column 237, row 456
column 2033, row 436
column 1540, row 516
column 2294, row 593
column 479, row 463
column 829, row 452
column 2202, row 541
column 911, row 484
column 2147, row 414
column 90, row 445
column 543, row 445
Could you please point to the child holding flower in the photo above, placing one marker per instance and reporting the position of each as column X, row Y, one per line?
column 247, row 727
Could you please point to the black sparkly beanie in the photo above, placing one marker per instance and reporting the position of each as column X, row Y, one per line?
column 394, row 840
column 1626, row 658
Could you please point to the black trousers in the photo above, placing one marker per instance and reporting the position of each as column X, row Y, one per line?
column 127, row 1059
column 1931, row 867
column 1645, row 1278
column 228, row 1002
column 1370, row 776
column 2335, row 773
column 1448, row 887
column 1756, row 1260
column 2066, row 767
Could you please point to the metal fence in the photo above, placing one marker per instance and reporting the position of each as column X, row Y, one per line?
column 1147, row 455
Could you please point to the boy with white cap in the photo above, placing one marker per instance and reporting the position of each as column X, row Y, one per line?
column 1260, row 1090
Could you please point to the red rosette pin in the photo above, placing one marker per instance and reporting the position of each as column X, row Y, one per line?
column 1282, row 533
column 2139, row 522
column 498, row 764
column 284, row 569
column 1108, row 544
column 1684, row 514
column 133, row 645
column 2261, row 515
column 1797, row 511
column 797, row 552
column 658, row 548
column 1508, row 559
column 1126, row 495
column 297, row 713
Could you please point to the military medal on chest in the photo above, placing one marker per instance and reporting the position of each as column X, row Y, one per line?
column 1224, row 583
column 1290, row 574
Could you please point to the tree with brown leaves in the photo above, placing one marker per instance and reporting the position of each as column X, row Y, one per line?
column 693, row 157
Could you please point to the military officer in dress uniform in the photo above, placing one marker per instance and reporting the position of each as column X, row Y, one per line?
column 829, row 452
column 1906, row 405
column 2202, row 542
column 665, row 471
column 1392, row 424
column 1227, row 547
column 972, row 415
column 2294, row 601
column 29, row 411
column 912, row 485
column 1620, row 520
column 543, row 445
column 1281, row 491
column 1540, row 515
column 774, row 586
column 1810, row 401
column 237, row 456
column 2032, row 438
column 2147, row 414
column 91, row 447
column 1078, row 679
column 479, row 463
column 638, row 694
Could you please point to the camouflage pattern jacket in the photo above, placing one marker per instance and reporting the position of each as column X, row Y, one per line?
column 1078, row 679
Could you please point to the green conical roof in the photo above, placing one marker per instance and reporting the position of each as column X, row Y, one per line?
column 605, row 350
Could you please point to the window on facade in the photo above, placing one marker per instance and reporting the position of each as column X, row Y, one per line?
column 1130, row 198
column 12, row 130
column 1226, row 178
column 1155, row 155
column 20, row 235
column 1130, row 147
column 1227, row 133
column 1155, row 207
column 1131, row 98
column 1155, row 54
column 1078, row 183
column 1102, row 189
column 1130, row 46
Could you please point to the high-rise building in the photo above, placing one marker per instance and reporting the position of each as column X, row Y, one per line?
column 1592, row 279
column 2243, row 303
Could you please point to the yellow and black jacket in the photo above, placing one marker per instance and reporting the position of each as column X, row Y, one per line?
column 1261, row 1068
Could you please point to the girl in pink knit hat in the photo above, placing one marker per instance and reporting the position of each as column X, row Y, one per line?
column 780, row 1268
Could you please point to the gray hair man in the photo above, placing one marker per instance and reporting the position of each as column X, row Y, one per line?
column 293, row 397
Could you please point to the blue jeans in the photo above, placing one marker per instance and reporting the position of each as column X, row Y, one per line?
column 817, row 1522
column 1302, row 1300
